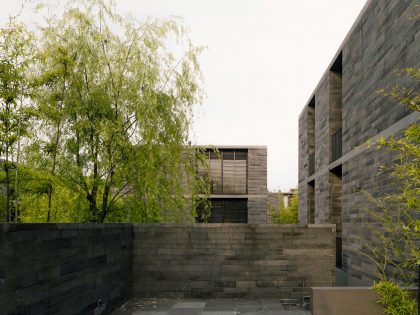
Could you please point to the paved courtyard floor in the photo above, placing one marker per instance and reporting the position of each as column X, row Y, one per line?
column 142, row 306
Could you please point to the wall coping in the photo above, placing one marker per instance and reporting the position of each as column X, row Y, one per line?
column 354, row 288
column 10, row 227
column 242, row 225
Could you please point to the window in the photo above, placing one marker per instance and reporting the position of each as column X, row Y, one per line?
column 229, row 210
column 311, row 136
column 228, row 172
column 335, row 108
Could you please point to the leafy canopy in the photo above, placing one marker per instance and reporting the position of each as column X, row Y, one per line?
column 114, row 106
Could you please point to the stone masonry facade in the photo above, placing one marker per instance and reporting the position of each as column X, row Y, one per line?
column 257, row 185
column 68, row 268
column 232, row 260
column 64, row 268
column 343, row 115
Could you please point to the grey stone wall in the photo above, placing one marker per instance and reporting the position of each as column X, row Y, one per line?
column 232, row 260
column 322, row 140
column 257, row 185
column 257, row 209
column 384, row 39
column 322, row 198
column 64, row 268
column 303, row 202
column 67, row 268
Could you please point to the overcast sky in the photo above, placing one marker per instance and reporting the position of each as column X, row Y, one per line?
column 263, row 60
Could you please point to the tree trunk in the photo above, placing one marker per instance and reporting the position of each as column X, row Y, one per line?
column 6, row 169
column 50, row 192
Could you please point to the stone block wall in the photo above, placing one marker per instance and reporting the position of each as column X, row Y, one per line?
column 64, row 268
column 257, row 185
column 383, row 40
column 232, row 260
column 257, row 171
column 68, row 268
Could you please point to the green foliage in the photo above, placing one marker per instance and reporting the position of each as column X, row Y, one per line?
column 282, row 214
column 16, row 53
column 396, row 300
column 113, row 107
column 395, row 220
column 397, row 224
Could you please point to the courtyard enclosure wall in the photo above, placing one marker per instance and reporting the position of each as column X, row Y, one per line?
column 67, row 268
column 343, row 114
column 232, row 260
column 64, row 268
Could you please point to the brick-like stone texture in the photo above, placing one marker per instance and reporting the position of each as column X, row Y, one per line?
column 384, row 39
column 64, row 268
column 256, row 206
column 257, row 171
column 232, row 260
column 257, row 185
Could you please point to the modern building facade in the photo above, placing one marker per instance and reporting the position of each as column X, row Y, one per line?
column 343, row 115
column 238, row 184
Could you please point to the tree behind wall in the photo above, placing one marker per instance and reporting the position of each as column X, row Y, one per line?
column 281, row 214
column 16, row 53
column 127, row 105
column 114, row 107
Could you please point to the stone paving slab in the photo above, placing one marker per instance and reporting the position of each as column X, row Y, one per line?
column 154, row 306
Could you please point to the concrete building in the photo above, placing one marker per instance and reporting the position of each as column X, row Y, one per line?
column 238, row 181
column 343, row 114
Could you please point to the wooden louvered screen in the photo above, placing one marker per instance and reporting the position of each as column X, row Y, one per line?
column 227, row 171
column 234, row 172
column 215, row 176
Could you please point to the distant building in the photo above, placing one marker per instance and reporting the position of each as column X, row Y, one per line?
column 238, row 184
column 342, row 114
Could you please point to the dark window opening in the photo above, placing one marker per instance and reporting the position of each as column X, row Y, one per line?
column 311, row 163
column 311, row 137
column 338, row 64
column 311, row 202
column 339, row 253
column 335, row 108
column 335, row 192
column 311, row 103
column 336, row 145
column 226, row 211
column 337, row 171
column 228, row 155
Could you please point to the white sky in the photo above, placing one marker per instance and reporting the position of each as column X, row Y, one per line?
column 263, row 60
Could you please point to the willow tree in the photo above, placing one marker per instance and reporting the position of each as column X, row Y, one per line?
column 118, row 106
column 16, row 56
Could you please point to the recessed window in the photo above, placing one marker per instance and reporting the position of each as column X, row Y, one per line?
column 229, row 210
column 228, row 172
